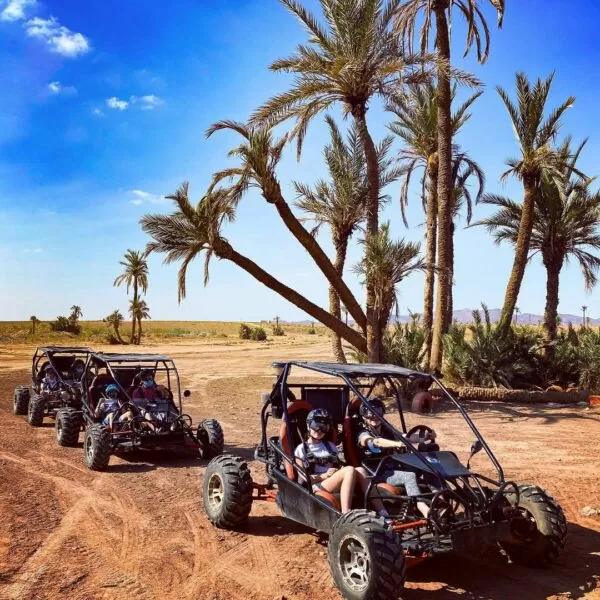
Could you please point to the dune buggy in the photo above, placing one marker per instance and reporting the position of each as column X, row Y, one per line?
column 368, row 554
column 40, row 402
column 160, row 424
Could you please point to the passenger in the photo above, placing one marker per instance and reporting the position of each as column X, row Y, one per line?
column 320, row 460
column 78, row 369
column 108, row 405
column 373, row 439
column 50, row 382
column 146, row 391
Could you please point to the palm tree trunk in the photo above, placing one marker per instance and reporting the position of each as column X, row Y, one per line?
column 444, row 125
column 372, row 229
column 135, row 298
column 139, row 331
column 431, row 239
column 521, row 254
column 341, row 246
column 118, row 333
column 450, row 298
column 273, row 195
column 225, row 251
column 553, row 269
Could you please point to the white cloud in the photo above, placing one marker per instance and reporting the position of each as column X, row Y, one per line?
column 33, row 250
column 56, row 87
column 137, row 201
column 15, row 9
column 142, row 197
column 149, row 102
column 141, row 193
column 97, row 112
column 58, row 38
column 117, row 104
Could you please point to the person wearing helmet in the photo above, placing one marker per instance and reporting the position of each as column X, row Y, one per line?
column 146, row 391
column 50, row 381
column 108, row 404
column 319, row 458
column 374, row 440
column 78, row 369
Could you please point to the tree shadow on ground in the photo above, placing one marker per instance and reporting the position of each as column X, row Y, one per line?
column 491, row 577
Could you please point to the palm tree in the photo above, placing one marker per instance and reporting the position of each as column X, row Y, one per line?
column 566, row 224
column 190, row 231
column 584, row 309
column 350, row 59
column 416, row 126
column 76, row 313
column 517, row 311
column 34, row 321
column 388, row 262
column 535, row 136
column 406, row 18
column 260, row 155
column 139, row 310
column 114, row 320
column 135, row 273
column 340, row 203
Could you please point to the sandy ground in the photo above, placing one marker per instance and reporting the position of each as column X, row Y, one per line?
column 138, row 531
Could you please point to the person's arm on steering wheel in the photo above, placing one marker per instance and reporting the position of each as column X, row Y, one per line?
column 378, row 442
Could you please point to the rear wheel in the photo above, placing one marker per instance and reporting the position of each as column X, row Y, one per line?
column 227, row 491
column 21, row 400
column 35, row 411
column 67, row 426
column 540, row 539
column 210, row 435
column 96, row 448
column 366, row 558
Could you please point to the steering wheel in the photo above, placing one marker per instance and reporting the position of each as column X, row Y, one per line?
column 184, row 421
column 421, row 430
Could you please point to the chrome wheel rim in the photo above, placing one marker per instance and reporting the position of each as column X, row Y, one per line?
column 89, row 449
column 216, row 491
column 355, row 563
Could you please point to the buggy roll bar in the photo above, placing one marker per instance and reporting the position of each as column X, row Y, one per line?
column 48, row 353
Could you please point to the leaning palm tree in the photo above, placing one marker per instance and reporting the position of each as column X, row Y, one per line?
column 260, row 154
column 426, row 12
column 139, row 310
column 535, row 135
column 351, row 58
column 192, row 230
column 340, row 202
column 565, row 224
column 114, row 320
column 135, row 274
column 76, row 312
column 388, row 262
column 34, row 321
column 416, row 125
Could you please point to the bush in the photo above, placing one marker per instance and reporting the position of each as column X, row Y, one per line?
column 65, row 324
column 312, row 330
column 278, row 330
column 245, row 332
column 259, row 334
column 404, row 344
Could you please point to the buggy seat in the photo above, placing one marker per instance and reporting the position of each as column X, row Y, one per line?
column 96, row 388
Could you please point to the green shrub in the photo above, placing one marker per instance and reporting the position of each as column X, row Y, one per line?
column 278, row 330
column 259, row 334
column 312, row 330
column 245, row 332
column 66, row 324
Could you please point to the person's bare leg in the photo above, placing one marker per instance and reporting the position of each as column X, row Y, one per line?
column 341, row 481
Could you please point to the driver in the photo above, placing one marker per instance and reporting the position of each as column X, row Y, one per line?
column 78, row 368
column 108, row 405
column 373, row 439
column 50, row 381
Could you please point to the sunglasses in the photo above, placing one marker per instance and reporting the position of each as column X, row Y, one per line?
column 320, row 426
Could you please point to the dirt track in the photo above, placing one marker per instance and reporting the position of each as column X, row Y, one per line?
column 138, row 531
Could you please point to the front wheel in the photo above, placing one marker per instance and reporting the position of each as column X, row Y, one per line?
column 210, row 435
column 21, row 400
column 35, row 411
column 67, row 426
column 539, row 538
column 366, row 558
column 96, row 448
column 227, row 491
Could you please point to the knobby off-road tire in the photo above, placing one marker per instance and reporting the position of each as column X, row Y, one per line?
column 96, row 448
column 35, row 411
column 366, row 558
column 21, row 400
column 227, row 491
column 67, row 426
column 545, row 544
column 210, row 434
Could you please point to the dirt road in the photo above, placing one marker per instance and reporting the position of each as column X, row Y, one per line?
column 138, row 532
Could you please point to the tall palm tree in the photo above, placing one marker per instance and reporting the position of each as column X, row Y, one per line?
column 416, row 126
column 34, row 321
column 114, row 320
column 260, row 155
column 352, row 57
column 388, row 262
column 189, row 231
column 535, row 135
column 425, row 12
column 139, row 310
column 135, row 274
column 76, row 312
column 583, row 310
column 340, row 203
column 566, row 224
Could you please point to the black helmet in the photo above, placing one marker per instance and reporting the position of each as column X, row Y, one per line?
column 146, row 373
column 373, row 405
column 319, row 420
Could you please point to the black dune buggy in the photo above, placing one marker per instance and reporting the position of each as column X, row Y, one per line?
column 40, row 402
column 161, row 424
column 368, row 554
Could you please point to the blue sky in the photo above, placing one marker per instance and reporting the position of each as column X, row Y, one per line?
column 103, row 111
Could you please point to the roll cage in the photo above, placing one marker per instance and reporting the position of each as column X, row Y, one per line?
column 60, row 358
